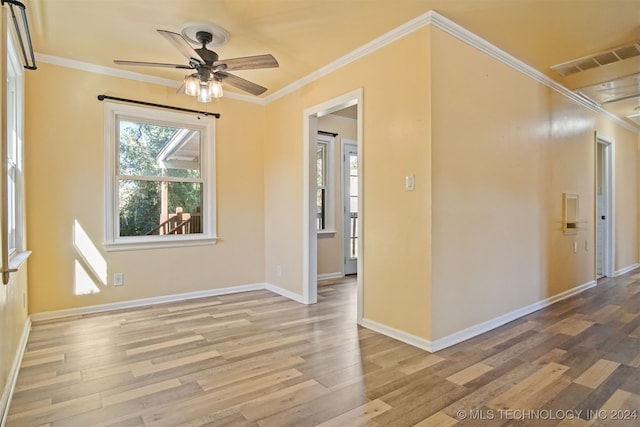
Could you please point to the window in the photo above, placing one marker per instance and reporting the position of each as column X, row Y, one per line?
column 160, row 183
column 14, row 178
column 324, row 180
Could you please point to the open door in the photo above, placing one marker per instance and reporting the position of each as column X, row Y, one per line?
column 350, row 207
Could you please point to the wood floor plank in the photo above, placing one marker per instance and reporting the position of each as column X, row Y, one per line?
column 55, row 380
column 320, row 409
column 519, row 396
column 157, row 367
column 417, row 363
column 635, row 362
column 247, row 372
column 111, row 399
column 597, row 373
column 359, row 416
column 54, row 412
column 469, row 374
column 259, row 359
column 570, row 326
column 439, row 419
column 280, row 400
column 164, row 344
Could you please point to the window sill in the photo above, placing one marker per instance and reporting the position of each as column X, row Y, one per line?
column 18, row 259
column 136, row 245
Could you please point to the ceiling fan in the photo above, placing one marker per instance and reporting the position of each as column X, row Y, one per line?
column 210, row 71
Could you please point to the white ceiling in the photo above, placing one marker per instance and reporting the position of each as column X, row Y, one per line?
column 305, row 35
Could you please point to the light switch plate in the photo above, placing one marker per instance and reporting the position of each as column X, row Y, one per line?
column 410, row 182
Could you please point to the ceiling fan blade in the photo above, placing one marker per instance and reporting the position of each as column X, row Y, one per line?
column 240, row 83
column 152, row 64
column 182, row 45
column 248, row 62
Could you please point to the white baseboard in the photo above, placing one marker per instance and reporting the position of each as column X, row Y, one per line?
column 91, row 309
column 626, row 270
column 12, row 378
column 397, row 334
column 327, row 276
column 285, row 293
column 57, row 314
column 483, row 327
column 473, row 331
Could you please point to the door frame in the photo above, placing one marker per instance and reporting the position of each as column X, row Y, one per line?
column 608, row 184
column 309, row 233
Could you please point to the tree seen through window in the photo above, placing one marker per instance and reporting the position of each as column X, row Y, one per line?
column 159, row 179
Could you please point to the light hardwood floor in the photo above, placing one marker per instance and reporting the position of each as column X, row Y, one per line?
column 257, row 358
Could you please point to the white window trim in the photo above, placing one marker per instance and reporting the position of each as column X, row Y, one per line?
column 206, row 125
column 330, row 194
column 15, row 71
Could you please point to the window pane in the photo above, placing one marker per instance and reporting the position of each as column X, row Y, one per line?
column 12, row 144
column 159, row 208
column 12, row 206
column 320, row 166
column 184, row 208
column 139, row 207
column 181, row 157
column 353, row 185
column 320, row 194
column 154, row 150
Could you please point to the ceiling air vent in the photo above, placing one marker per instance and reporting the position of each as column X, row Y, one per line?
column 598, row 60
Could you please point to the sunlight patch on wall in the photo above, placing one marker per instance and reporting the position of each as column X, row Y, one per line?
column 83, row 283
column 89, row 253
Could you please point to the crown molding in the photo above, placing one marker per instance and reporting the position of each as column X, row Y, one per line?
column 430, row 18
column 108, row 71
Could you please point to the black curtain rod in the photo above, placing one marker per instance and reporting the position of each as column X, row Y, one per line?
column 25, row 33
column 324, row 132
column 151, row 104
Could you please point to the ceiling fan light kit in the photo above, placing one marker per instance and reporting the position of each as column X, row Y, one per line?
column 210, row 72
column 203, row 90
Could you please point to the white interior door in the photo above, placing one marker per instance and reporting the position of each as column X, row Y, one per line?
column 350, row 206
column 604, row 208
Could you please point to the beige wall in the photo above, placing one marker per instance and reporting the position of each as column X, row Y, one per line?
column 396, row 143
column 505, row 148
column 330, row 251
column 65, row 181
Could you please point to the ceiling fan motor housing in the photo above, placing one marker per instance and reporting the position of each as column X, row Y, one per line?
column 207, row 55
column 204, row 37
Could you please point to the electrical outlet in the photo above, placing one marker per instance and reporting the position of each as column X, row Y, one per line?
column 278, row 270
column 118, row 279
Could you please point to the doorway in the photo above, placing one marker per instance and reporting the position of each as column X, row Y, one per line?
column 604, row 207
column 309, row 219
